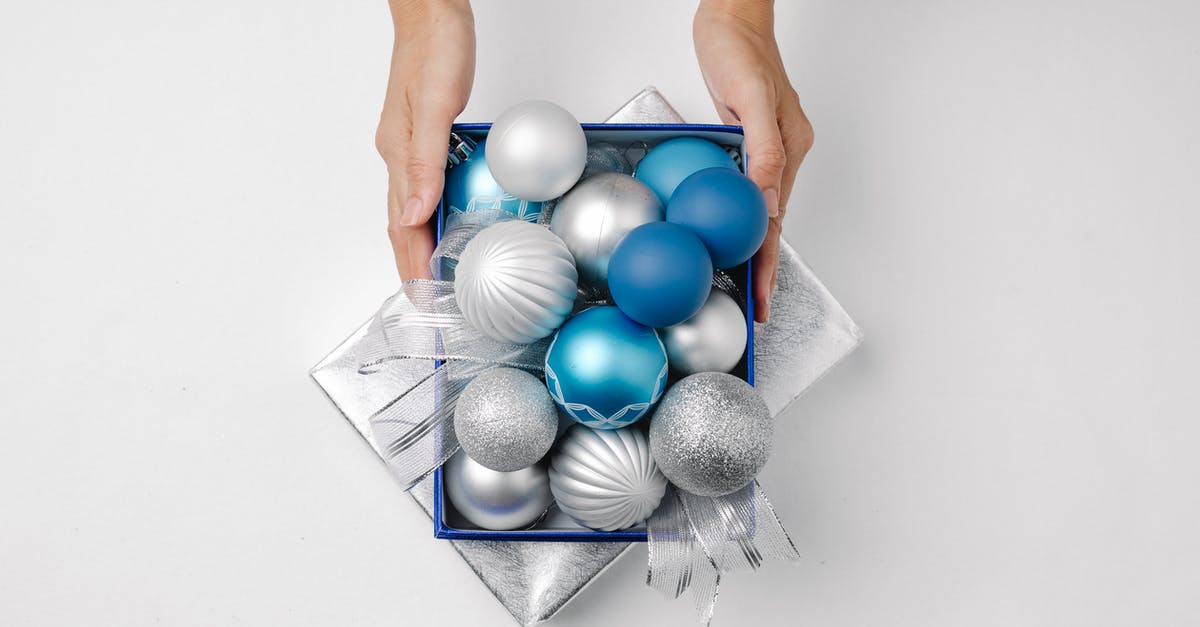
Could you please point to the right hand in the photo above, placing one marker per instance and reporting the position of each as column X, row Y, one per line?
column 433, row 66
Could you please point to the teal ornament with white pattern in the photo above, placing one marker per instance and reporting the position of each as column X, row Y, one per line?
column 605, row 370
column 471, row 188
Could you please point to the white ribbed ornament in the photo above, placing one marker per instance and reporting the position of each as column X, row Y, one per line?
column 515, row 282
column 606, row 479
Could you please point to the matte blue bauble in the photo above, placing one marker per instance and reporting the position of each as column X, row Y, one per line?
column 470, row 187
column 725, row 209
column 605, row 370
column 660, row 274
column 667, row 164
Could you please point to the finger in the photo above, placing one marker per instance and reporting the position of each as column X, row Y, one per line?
column 426, row 161
column 765, row 154
column 766, row 261
column 797, row 141
column 413, row 246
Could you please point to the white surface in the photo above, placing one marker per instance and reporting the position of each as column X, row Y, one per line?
column 1003, row 194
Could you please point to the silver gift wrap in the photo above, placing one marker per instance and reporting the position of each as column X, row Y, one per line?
column 808, row 334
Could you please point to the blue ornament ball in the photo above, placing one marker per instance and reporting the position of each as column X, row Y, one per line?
column 660, row 274
column 667, row 164
column 725, row 209
column 470, row 188
column 605, row 370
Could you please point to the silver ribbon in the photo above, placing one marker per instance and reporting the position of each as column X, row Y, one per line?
column 694, row 540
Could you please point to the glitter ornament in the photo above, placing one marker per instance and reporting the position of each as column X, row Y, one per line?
column 711, row 434
column 496, row 500
column 471, row 188
column 606, row 480
column 713, row 340
column 593, row 217
column 660, row 274
column 605, row 370
column 725, row 209
column 667, row 164
column 536, row 150
column 515, row 282
column 505, row 419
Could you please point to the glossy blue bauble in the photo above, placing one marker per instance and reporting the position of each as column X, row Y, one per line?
column 605, row 370
column 470, row 187
column 660, row 274
column 725, row 209
column 667, row 164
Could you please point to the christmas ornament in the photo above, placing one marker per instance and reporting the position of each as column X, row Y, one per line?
column 606, row 479
column 667, row 164
column 593, row 217
column 725, row 209
column 515, row 282
column 496, row 500
column 711, row 434
column 505, row 420
column 605, row 370
column 660, row 274
column 713, row 340
column 536, row 150
column 470, row 186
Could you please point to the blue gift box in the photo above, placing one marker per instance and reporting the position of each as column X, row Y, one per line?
column 555, row 526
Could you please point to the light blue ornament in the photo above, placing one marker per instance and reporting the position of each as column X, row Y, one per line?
column 605, row 370
column 471, row 188
column 667, row 164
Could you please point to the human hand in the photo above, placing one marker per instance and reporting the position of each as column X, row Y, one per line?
column 433, row 66
column 739, row 58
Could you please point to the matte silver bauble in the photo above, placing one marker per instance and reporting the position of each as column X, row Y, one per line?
column 515, row 282
column 713, row 340
column 505, row 419
column 593, row 217
column 711, row 434
column 606, row 479
column 496, row 500
column 536, row 150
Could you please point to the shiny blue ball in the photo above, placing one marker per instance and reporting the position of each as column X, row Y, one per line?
column 725, row 209
column 470, row 188
column 605, row 370
column 667, row 164
column 660, row 274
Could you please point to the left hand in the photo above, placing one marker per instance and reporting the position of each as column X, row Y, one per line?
column 739, row 58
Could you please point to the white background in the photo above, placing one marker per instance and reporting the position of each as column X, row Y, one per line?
column 1003, row 194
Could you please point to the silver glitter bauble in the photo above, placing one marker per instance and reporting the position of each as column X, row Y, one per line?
column 713, row 340
column 606, row 479
column 536, row 150
column 505, row 419
column 496, row 500
column 515, row 282
column 711, row 434
column 593, row 217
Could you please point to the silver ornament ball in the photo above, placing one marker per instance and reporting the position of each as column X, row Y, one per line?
column 496, row 500
column 515, row 282
column 593, row 217
column 606, row 479
column 536, row 150
column 713, row 340
column 711, row 434
column 505, row 419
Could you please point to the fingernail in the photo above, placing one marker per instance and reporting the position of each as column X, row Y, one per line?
column 772, row 198
column 766, row 311
column 412, row 212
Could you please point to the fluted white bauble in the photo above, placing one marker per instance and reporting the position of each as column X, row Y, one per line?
column 515, row 282
column 536, row 150
column 593, row 217
column 713, row 340
column 606, row 479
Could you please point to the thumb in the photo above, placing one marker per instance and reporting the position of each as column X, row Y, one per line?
column 425, row 169
column 766, row 157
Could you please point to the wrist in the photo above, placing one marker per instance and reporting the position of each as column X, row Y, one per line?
column 410, row 14
column 759, row 14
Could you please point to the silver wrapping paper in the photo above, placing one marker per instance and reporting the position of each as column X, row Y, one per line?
column 808, row 334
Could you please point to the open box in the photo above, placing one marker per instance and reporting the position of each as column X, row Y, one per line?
column 556, row 526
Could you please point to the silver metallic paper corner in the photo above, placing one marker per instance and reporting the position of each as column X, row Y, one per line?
column 808, row 334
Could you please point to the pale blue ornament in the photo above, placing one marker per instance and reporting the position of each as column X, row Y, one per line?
column 605, row 370
column 471, row 188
